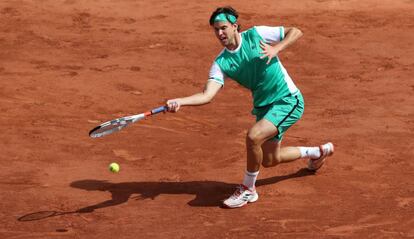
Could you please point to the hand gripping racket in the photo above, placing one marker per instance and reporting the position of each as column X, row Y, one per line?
column 115, row 125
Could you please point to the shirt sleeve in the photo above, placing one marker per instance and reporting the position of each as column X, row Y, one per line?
column 271, row 34
column 216, row 74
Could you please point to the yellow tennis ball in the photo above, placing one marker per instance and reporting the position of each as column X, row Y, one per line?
column 114, row 167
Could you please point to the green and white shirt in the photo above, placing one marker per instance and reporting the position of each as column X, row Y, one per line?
column 267, row 82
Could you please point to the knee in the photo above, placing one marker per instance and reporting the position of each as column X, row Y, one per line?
column 268, row 163
column 271, row 160
column 254, row 138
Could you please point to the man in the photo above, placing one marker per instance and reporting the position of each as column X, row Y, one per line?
column 250, row 58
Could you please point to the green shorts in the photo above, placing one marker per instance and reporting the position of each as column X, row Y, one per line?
column 282, row 113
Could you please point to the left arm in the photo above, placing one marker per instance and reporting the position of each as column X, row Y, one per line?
column 292, row 34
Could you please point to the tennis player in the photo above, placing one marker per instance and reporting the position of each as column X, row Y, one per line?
column 251, row 59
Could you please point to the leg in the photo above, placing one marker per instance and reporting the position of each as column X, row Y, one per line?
column 279, row 117
column 257, row 135
column 284, row 116
column 273, row 154
column 260, row 150
column 246, row 192
column 269, row 122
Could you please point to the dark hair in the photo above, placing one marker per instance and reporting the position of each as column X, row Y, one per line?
column 226, row 10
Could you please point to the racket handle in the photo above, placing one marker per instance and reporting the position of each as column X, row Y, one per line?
column 159, row 110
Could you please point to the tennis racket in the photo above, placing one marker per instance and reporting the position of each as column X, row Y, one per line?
column 115, row 125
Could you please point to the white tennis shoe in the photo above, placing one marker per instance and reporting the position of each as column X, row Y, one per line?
column 241, row 197
column 326, row 150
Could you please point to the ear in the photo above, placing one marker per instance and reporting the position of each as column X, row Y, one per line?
column 235, row 25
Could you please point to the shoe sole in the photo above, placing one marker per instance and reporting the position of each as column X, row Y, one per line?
column 324, row 158
column 254, row 199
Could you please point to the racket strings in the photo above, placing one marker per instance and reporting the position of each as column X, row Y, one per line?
column 113, row 126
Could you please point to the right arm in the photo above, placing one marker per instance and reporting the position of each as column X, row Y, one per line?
column 204, row 97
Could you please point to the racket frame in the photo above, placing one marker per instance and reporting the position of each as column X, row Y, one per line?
column 122, row 122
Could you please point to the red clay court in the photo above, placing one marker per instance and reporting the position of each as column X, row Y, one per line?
column 68, row 65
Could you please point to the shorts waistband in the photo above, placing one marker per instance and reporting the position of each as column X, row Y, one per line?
column 295, row 94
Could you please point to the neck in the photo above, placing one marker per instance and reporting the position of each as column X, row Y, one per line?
column 236, row 42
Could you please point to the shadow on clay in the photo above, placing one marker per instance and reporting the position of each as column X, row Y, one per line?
column 207, row 193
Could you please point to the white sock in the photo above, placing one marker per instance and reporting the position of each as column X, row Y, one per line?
column 311, row 152
column 250, row 179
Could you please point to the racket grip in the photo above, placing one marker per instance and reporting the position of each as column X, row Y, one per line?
column 159, row 109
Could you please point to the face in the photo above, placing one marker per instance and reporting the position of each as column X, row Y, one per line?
column 225, row 32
